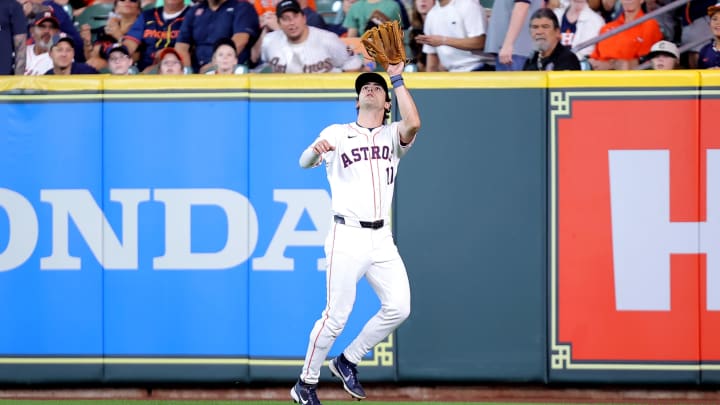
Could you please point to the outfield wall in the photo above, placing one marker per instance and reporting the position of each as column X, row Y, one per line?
column 556, row 227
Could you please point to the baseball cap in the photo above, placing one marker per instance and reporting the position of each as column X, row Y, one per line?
column 714, row 9
column 287, row 5
column 664, row 47
column 62, row 38
column 371, row 77
column 116, row 48
column 46, row 16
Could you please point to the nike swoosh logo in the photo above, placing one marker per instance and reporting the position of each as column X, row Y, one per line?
column 304, row 401
column 346, row 377
column 351, row 136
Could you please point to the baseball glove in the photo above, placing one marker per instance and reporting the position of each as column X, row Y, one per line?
column 385, row 44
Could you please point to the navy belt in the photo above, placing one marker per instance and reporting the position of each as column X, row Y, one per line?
column 339, row 219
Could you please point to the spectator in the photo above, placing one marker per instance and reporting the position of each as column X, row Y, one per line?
column 454, row 36
column 578, row 24
column 695, row 28
column 623, row 50
column 13, row 36
column 208, row 21
column 508, row 34
column 418, row 14
column 169, row 62
column 119, row 60
column 62, row 53
column 123, row 16
column 43, row 30
column 364, row 14
column 709, row 57
column 550, row 53
column 268, row 18
column 224, row 60
column 154, row 30
column 33, row 8
column 298, row 48
column 664, row 55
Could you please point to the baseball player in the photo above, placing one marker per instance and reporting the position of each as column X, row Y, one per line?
column 361, row 159
column 299, row 48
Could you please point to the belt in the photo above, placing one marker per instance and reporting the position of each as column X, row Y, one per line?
column 339, row 219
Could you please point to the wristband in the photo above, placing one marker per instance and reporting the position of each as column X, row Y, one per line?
column 397, row 81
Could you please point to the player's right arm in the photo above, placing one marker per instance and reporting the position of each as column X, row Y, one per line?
column 313, row 155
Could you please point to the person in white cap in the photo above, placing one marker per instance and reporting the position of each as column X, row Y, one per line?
column 664, row 55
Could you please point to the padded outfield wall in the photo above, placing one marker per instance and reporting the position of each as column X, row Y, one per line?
column 555, row 228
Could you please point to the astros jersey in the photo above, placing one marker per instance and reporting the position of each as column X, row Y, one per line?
column 362, row 169
column 153, row 32
column 322, row 51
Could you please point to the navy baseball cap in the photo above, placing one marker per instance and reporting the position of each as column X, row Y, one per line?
column 117, row 48
column 371, row 77
column 46, row 16
column 62, row 38
column 287, row 5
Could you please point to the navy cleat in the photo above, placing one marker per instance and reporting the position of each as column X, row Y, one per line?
column 347, row 372
column 304, row 394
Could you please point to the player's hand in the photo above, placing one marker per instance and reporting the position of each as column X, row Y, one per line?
column 395, row 69
column 322, row 147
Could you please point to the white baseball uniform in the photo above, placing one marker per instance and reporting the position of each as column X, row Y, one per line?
column 322, row 51
column 361, row 172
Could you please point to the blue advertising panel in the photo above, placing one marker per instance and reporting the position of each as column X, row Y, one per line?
column 154, row 234
column 178, row 178
column 50, row 159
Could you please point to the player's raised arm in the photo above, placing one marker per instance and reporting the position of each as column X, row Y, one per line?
column 409, row 124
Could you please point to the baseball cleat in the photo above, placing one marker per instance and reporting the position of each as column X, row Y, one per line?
column 347, row 373
column 304, row 394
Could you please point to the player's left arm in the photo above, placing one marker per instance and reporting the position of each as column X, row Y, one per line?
column 409, row 123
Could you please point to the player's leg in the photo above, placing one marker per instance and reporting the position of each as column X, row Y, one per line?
column 388, row 278
column 347, row 258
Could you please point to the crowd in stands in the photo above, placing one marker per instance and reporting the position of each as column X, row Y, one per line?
column 295, row 36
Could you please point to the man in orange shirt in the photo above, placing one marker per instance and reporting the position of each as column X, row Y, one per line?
column 623, row 51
